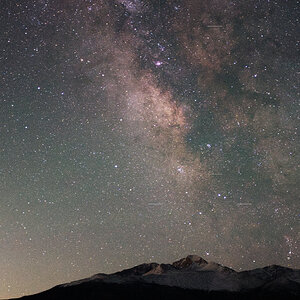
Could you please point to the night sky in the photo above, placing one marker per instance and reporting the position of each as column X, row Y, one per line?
column 137, row 131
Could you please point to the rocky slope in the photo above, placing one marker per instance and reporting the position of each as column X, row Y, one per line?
column 189, row 278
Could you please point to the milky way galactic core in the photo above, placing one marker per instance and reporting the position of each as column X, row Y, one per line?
column 142, row 131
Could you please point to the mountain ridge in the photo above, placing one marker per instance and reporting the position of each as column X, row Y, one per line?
column 189, row 276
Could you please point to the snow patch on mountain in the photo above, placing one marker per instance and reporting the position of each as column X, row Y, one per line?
column 193, row 272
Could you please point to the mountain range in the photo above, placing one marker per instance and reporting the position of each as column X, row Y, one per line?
column 191, row 277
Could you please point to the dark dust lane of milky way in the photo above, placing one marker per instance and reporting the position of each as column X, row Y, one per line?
column 136, row 131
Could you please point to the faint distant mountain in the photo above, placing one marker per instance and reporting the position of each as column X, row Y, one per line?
column 189, row 278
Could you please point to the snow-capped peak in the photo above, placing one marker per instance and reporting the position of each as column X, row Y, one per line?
column 188, row 261
column 194, row 272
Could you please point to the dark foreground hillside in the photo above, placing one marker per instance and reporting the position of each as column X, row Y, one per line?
column 108, row 291
column 191, row 277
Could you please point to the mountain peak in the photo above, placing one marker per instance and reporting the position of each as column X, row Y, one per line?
column 188, row 261
column 191, row 276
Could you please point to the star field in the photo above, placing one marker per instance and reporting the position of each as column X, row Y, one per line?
column 134, row 131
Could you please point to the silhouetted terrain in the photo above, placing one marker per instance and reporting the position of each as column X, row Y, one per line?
column 189, row 278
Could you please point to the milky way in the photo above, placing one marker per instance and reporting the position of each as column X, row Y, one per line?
column 139, row 131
